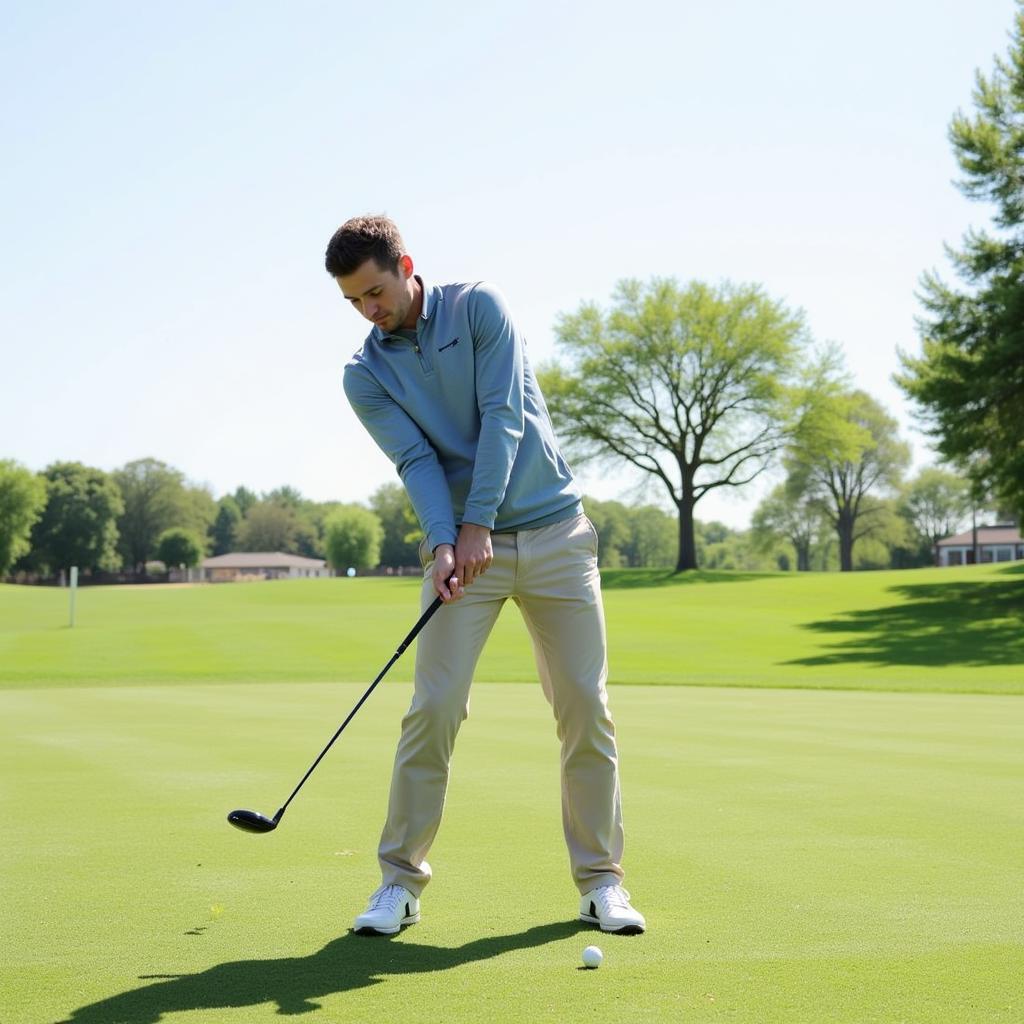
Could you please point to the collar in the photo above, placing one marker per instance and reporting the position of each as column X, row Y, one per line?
column 431, row 296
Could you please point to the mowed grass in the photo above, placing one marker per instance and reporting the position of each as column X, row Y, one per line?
column 808, row 844
column 801, row 856
column 951, row 630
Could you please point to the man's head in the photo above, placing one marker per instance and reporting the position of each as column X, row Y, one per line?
column 367, row 257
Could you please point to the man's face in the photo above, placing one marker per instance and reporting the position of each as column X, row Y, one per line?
column 384, row 297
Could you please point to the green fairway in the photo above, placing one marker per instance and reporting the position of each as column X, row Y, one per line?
column 809, row 844
column 951, row 630
column 800, row 856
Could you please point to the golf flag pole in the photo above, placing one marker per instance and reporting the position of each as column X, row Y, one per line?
column 73, row 588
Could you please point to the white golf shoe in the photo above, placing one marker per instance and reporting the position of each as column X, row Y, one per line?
column 391, row 907
column 609, row 907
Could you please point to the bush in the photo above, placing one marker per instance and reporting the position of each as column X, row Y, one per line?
column 177, row 546
column 354, row 537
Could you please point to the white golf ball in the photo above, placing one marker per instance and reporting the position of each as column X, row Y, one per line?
column 592, row 957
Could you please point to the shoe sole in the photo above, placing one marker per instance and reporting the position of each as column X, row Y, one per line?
column 628, row 929
column 371, row 930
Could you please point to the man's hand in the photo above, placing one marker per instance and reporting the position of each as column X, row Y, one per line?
column 473, row 553
column 443, row 574
column 456, row 568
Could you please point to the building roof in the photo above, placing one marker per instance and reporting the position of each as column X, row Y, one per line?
column 262, row 560
column 1004, row 533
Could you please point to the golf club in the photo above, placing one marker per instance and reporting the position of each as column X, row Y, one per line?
column 253, row 821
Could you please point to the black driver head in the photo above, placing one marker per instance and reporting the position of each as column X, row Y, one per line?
column 252, row 821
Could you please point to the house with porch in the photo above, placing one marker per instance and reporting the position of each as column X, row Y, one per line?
column 1000, row 543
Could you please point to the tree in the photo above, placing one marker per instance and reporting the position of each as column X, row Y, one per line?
column 306, row 535
column 402, row 530
column 713, row 532
column 244, row 499
column 268, row 527
column 685, row 383
column 640, row 536
column 178, row 546
column 969, row 379
column 886, row 543
column 224, row 531
column 79, row 522
column 653, row 537
column 153, row 500
column 197, row 512
column 312, row 522
column 791, row 513
column 736, row 552
column 611, row 520
column 936, row 503
column 846, row 452
column 22, row 500
column 290, row 497
column 354, row 536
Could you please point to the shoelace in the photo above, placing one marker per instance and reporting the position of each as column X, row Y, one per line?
column 388, row 896
column 613, row 897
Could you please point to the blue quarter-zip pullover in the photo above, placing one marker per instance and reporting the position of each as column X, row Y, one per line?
column 456, row 407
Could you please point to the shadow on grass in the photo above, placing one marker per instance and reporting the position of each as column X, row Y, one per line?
column 955, row 623
column 294, row 983
column 631, row 579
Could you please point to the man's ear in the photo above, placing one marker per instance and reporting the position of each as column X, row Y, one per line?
column 405, row 265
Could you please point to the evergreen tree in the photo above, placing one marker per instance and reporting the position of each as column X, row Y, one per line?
column 969, row 377
column 225, row 527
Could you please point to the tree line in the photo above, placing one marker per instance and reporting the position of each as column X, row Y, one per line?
column 698, row 386
column 147, row 512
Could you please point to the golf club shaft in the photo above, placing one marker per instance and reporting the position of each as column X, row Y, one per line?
column 424, row 619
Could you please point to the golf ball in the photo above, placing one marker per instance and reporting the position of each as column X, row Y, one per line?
column 592, row 957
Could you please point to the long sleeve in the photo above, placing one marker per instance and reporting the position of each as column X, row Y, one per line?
column 499, row 389
column 405, row 444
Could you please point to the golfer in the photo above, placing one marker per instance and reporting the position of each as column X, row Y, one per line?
column 443, row 386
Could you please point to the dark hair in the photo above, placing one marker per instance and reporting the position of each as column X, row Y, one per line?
column 360, row 239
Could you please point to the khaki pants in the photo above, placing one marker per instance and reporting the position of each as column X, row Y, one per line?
column 551, row 574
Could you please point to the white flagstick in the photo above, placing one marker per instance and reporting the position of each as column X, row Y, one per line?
column 74, row 588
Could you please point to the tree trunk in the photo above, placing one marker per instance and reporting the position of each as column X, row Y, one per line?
column 803, row 557
column 687, row 542
column 845, row 531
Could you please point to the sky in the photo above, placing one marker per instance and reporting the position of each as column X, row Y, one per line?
column 172, row 173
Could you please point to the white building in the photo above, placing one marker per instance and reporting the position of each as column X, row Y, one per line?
column 260, row 565
column 1001, row 543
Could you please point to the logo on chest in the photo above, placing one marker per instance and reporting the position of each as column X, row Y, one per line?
column 451, row 344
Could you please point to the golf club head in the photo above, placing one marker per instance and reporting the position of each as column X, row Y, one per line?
column 252, row 821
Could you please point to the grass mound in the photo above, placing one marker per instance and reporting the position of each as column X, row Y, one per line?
column 951, row 630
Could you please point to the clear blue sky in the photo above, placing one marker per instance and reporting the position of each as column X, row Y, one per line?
column 171, row 175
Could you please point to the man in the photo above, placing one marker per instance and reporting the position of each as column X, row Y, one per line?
column 443, row 386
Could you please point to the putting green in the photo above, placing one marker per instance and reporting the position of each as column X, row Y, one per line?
column 801, row 856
